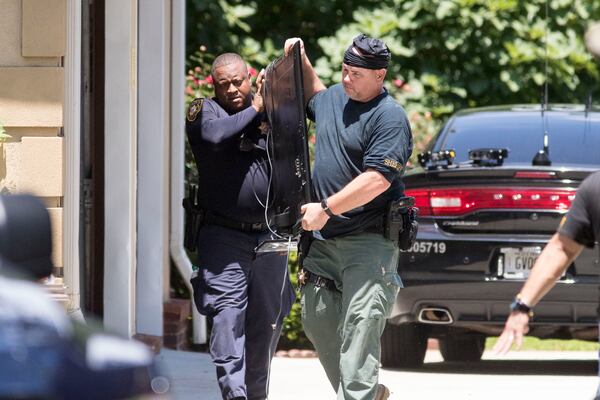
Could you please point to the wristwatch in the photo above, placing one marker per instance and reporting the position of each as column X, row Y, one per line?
column 326, row 208
column 518, row 305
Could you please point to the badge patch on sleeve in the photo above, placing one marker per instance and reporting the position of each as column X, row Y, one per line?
column 393, row 164
column 194, row 109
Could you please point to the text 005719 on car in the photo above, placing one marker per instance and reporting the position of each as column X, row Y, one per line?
column 491, row 191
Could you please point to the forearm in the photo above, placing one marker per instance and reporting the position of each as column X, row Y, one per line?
column 556, row 257
column 361, row 190
column 312, row 83
column 219, row 130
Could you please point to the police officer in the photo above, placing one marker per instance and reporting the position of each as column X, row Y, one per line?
column 363, row 142
column 244, row 294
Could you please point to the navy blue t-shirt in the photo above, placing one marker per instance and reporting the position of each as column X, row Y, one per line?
column 351, row 138
column 230, row 180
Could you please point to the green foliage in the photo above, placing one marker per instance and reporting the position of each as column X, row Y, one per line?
column 464, row 53
column 424, row 127
column 448, row 54
column 258, row 29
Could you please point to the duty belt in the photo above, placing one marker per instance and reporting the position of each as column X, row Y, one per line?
column 305, row 276
column 214, row 219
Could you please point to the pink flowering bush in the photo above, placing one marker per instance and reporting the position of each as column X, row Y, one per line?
column 424, row 127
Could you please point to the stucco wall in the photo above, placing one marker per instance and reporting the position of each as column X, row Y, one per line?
column 32, row 47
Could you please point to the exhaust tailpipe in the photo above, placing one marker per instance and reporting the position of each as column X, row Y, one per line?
column 435, row 315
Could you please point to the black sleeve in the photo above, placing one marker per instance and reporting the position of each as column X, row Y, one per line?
column 216, row 130
column 577, row 223
column 390, row 143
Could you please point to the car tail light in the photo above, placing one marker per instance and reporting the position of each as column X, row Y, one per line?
column 457, row 201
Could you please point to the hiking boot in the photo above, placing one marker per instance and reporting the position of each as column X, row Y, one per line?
column 382, row 392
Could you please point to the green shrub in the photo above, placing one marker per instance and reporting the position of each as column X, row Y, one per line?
column 292, row 335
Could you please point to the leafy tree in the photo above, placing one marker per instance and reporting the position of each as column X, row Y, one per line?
column 463, row 53
column 258, row 29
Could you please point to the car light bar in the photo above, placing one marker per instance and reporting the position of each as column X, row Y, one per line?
column 460, row 201
column 488, row 157
column 435, row 159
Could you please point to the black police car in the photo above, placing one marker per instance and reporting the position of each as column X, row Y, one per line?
column 491, row 191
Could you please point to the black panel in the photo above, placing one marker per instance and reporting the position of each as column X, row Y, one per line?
column 288, row 145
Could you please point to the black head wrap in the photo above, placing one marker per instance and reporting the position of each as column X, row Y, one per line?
column 374, row 54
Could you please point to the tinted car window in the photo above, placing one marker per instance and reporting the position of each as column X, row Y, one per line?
column 573, row 138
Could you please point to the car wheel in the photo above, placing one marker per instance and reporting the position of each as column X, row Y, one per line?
column 403, row 346
column 462, row 348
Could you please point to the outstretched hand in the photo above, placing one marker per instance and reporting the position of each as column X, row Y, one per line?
column 517, row 325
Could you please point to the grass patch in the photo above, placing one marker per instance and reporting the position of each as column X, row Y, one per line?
column 532, row 343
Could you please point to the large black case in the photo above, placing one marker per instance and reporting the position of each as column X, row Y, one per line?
column 287, row 142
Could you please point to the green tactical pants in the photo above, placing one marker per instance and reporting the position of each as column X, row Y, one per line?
column 345, row 327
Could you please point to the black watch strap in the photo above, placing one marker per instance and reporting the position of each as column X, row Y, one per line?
column 325, row 208
column 519, row 306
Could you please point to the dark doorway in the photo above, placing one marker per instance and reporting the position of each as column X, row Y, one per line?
column 92, row 158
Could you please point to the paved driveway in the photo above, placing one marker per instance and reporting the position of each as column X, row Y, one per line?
column 517, row 376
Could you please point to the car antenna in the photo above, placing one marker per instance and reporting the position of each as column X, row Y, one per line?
column 542, row 156
column 588, row 104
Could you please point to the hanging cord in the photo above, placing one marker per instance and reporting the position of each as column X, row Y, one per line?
column 253, row 186
column 269, row 191
column 276, row 322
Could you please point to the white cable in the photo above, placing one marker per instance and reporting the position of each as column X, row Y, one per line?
column 254, row 189
column 274, row 325
column 269, row 191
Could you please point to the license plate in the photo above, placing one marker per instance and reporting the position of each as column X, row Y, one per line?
column 518, row 262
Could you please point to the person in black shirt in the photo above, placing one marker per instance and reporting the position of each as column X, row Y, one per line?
column 244, row 294
column 579, row 228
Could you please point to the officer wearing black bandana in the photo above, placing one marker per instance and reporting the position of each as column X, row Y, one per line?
column 363, row 143
column 366, row 52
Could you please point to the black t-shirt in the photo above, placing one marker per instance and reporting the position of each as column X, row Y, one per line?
column 230, row 180
column 351, row 138
column 582, row 222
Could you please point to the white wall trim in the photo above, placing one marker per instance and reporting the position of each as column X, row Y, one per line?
column 72, row 143
column 178, row 254
column 120, row 122
column 153, row 164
